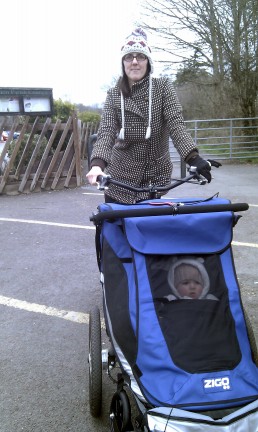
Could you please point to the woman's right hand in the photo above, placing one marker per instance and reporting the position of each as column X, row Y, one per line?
column 93, row 174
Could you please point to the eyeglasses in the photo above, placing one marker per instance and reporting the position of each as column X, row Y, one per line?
column 139, row 57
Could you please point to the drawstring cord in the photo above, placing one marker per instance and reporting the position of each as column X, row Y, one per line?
column 121, row 135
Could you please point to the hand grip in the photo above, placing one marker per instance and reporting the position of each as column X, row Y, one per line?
column 208, row 208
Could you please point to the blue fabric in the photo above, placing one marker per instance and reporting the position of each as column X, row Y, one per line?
column 164, row 382
column 180, row 234
column 161, row 381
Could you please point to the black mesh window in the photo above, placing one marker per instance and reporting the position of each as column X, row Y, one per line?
column 117, row 298
column 199, row 329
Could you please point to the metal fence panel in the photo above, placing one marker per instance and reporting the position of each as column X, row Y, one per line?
column 235, row 138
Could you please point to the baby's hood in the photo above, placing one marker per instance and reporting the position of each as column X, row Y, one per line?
column 196, row 263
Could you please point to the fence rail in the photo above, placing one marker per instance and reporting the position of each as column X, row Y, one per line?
column 51, row 158
column 232, row 139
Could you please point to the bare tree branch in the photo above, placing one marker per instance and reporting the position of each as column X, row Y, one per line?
column 218, row 35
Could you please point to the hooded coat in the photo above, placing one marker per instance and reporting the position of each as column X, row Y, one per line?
column 135, row 160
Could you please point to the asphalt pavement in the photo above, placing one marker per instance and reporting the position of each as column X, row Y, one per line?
column 49, row 282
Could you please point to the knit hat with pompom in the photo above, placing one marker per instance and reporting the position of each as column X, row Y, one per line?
column 136, row 42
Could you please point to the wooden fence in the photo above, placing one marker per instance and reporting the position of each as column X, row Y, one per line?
column 42, row 156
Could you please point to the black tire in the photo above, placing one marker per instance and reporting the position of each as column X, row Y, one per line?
column 95, row 363
column 251, row 338
column 120, row 413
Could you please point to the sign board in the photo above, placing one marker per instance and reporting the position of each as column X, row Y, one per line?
column 26, row 101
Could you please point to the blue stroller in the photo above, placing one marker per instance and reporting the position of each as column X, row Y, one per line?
column 189, row 361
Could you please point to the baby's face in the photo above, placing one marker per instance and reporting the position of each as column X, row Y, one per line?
column 190, row 288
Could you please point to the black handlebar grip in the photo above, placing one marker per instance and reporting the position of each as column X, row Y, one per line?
column 158, row 211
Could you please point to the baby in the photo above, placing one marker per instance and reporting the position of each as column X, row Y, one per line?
column 189, row 279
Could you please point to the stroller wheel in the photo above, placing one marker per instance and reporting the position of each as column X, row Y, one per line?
column 251, row 338
column 120, row 413
column 95, row 363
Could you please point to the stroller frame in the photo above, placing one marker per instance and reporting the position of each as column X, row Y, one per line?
column 239, row 413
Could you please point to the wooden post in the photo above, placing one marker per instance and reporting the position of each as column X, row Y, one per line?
column 77, row 148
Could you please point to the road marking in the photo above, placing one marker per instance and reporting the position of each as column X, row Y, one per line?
column 29, row 221
column 77, row 317
column 93, row 193
column 62, row 225
column 236, row 243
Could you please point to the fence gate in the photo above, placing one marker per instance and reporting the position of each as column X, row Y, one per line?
column 41, row 156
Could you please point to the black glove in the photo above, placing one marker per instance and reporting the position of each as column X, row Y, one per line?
column 203, row 167
column 214, row 163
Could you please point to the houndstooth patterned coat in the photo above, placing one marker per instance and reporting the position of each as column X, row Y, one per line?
column 135, row 160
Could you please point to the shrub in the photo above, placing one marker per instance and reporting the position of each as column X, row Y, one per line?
column 29, row 151
column 89, row 117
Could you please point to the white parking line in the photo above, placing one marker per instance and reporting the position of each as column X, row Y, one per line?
column 87, row 227
column 77, row 317
column 93, row 193
column 29, row 221
column 253, row 245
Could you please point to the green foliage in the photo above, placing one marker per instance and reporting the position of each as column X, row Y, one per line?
column 92, row 108
column 62, row 110
column 202, row 97
column 89, row 117
column 29, row 151
column 190, row 73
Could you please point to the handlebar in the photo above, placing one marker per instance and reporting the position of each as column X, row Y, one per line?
column 171, row 210
column 105, row 181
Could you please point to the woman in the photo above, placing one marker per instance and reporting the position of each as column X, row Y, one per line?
column 139, row 115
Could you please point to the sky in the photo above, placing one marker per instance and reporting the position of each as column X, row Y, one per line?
column 71, row 47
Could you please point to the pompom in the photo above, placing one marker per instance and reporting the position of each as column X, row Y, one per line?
column 139, row 31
